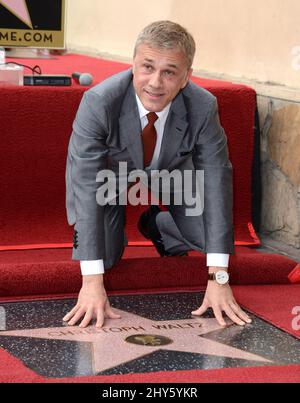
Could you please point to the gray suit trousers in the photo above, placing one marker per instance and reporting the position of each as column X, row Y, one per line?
column 115, row 236
column 174, row 239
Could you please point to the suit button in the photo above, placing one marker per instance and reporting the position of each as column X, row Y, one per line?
column 75, row 239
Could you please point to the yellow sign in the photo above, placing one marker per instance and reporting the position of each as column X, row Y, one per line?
column 31, row 23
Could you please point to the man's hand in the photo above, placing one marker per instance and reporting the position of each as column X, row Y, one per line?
column 92, row 303
column 220, row 298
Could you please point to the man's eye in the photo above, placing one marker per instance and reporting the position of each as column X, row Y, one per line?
column 169, row 73
column 148, row 66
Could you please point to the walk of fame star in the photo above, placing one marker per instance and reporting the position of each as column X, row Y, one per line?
column 110, row 346
column 19, row 9
column 150, row 336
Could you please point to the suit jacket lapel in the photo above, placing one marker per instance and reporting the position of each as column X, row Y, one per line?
column 130, row 128
column 174, row 132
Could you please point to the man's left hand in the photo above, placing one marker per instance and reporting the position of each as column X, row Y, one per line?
column 220, row 298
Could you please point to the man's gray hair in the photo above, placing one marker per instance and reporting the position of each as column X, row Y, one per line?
column 168, row 35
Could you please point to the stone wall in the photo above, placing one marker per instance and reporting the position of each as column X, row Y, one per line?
column 280, row 170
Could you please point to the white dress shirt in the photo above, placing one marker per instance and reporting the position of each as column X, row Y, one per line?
column 90, row 267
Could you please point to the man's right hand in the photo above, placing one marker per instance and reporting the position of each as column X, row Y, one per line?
column 92, row 303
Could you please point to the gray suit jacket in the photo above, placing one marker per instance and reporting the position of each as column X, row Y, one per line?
column 107, row 130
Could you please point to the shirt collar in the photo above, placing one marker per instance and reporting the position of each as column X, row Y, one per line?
column 162, row 115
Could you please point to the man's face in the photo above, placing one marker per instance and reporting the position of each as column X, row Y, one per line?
column 158, row 76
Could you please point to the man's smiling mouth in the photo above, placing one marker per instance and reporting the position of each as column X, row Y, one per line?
column 153, row 95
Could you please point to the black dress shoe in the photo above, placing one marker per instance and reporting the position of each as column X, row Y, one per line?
column 145, row 219
column 148, row 228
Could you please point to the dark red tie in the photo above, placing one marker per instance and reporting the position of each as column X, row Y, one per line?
column 149, row 137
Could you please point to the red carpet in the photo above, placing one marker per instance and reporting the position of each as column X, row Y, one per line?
column 21, row 277
column 274, row 304
column 34, row 148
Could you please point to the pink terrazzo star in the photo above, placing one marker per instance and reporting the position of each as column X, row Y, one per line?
column 19, row 9
column 111, row 349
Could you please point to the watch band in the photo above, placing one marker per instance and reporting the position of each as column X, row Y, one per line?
column 212, row 276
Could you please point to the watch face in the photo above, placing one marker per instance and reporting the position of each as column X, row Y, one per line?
column 222, row 277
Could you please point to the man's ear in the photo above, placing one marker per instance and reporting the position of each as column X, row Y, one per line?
column 188, row 76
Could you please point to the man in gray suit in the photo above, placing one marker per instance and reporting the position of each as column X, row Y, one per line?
column 154, row 104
